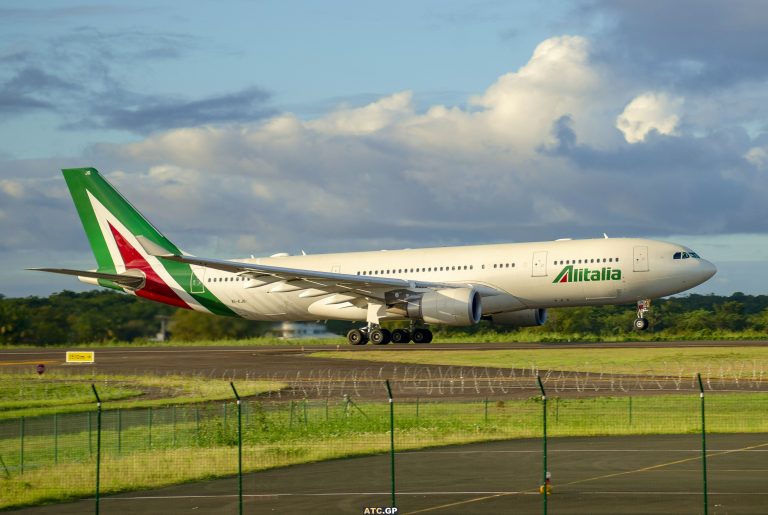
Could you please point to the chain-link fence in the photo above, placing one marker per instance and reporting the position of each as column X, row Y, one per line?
column 53, row 458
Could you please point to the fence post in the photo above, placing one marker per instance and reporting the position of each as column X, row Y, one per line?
column 55, row 439
column 239, row 449
column 119, row 431
column 149, row 426
column 391, row 439
column 544, row 489
column 21, row 445
column 90, row 432
column 173, row 423
column 197, row 424
column 630, row 410
column 703, row 443
column 98, row 443
column 486, row 410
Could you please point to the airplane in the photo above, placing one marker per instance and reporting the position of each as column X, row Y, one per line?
column 511, row 284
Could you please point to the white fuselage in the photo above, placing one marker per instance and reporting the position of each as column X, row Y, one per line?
column 530, row 275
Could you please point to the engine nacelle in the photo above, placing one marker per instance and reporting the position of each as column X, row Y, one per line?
column 449, row 306
column 522, row 318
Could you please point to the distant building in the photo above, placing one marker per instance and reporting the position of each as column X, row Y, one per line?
column 300, row 330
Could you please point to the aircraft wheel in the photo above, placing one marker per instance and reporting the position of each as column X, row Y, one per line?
column 380, row 336
column 641, row 324
column 356, row 337
column 401, row 336
column 421, row 336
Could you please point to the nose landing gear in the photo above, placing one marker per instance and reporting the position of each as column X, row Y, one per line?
column 643, row 307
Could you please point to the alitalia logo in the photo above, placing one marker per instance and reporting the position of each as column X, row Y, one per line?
column 579, row 275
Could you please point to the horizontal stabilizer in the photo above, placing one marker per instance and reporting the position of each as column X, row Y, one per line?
column 153, row 249
column 131, row 279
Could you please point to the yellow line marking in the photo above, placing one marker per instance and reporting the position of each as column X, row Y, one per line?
column 11, row 363
column 596, row 478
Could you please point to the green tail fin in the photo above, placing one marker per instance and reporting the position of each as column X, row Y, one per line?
column 98, row 202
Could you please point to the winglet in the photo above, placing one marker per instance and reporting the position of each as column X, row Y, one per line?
column 153, row 249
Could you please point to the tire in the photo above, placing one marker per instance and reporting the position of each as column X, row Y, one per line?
column 401, row 336
column 641, row 324
column 356, row 337
column 380, row 336
column 421, row 336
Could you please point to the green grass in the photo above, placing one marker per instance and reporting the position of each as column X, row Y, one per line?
column 27, row 395
column 645, row 361
column 194, row 443
column 523, row 335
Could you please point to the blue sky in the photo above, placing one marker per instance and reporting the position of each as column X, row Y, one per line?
column 258, row 127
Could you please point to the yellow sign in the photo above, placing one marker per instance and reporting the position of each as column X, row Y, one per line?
column 81, row 357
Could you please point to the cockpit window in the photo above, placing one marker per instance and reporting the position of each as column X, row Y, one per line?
column 686, row 255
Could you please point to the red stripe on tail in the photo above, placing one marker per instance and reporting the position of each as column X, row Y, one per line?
column 155, row 288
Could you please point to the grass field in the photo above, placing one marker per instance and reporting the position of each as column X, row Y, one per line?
column 523, row 335
column 645, row 361
column 27, row 395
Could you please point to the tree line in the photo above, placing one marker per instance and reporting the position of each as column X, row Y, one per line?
column 106, row 316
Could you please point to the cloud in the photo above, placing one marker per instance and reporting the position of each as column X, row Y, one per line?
column 155, row 113
column 49, row 76
column 688, row 43
column 649, row 112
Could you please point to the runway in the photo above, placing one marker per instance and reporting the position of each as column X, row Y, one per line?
column 601, row 475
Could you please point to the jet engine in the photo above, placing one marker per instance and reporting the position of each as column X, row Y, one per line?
column 522, row 318
column 449, row 306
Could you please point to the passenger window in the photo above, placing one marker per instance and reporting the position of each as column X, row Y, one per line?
column 685, row 255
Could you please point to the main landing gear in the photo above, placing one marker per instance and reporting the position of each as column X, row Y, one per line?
column 380, row 336
column 643, row 307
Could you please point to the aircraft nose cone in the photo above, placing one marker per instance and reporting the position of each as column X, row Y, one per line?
column 706, row 270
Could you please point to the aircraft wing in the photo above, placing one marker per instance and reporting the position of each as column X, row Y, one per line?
column 298, row 278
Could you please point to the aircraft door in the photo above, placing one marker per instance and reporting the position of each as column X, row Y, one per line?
column 640, row 263
column 539, row 264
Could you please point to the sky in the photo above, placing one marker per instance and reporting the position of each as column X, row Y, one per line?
column 256, row 127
